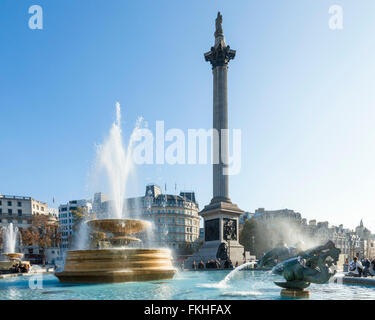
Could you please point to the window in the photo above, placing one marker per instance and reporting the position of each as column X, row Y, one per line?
column 10, row 211
column 19, row 212
column 1, row 202
column 19, row 204
column 9, row 203
column 1, row 211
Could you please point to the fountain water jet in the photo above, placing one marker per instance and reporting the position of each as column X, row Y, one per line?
column 117, row 163
column 224, row 283
column 232, row 274
column 10, row 238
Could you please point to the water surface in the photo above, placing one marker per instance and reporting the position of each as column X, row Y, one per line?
column 187, row 285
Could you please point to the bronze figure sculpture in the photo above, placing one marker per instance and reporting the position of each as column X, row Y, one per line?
column 312, row 266
column 276, row 255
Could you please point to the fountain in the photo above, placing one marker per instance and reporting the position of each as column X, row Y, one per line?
column 311, row 266
column 118, row 263
column 9, row 243
column 13, row 258
column 115, row 259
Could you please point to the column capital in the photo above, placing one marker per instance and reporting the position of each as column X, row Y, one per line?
column 220, row 55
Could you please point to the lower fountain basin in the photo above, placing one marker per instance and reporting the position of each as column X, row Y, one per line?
column 116, row 265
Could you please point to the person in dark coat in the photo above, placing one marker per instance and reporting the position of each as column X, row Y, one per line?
column 194, row 265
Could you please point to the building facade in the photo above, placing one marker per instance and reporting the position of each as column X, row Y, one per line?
column 101, row 204
column 19, row 210
column 66, row 219
column 175, row 217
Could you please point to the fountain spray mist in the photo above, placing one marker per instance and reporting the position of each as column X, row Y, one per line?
column 294, row 235
column 81, row 240
column 116, row 161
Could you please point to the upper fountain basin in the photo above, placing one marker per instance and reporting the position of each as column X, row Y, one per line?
column 119, row 226
column 13, row 256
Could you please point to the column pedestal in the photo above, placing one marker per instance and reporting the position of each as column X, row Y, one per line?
column 221, row 226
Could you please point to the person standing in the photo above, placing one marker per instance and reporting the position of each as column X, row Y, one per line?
column 194, row 265
column 366, row 267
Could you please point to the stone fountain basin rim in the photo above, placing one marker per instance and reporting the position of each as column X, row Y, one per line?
column 139, row 250
column 13, row 255
column 125, row 271
column 119, row 226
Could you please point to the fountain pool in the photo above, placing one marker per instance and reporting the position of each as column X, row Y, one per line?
column 186, row 285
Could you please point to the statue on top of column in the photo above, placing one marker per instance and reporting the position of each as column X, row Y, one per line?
column 219, row 27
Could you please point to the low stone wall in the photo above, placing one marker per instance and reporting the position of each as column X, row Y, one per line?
column 359, row 281
column 13, row 275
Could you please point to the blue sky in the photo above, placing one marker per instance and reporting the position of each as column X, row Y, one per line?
column 301, row 93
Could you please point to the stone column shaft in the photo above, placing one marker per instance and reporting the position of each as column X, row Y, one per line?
column 219, row 57
column 220, row 122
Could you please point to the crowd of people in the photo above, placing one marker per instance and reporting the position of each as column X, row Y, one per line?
column 214, row 264
column 361, row 268
column 20, row 267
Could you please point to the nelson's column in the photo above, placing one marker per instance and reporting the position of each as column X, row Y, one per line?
column 221, row 215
